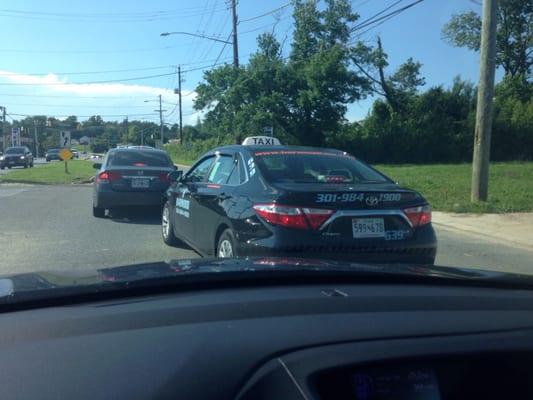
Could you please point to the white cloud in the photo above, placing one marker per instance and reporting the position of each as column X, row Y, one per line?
column 121, row 95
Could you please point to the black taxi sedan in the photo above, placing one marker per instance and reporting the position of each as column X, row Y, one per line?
column 274, row 200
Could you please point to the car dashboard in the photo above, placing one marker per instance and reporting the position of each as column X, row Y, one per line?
column 279, row 341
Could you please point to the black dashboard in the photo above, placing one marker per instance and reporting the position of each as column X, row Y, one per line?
column 326, row 341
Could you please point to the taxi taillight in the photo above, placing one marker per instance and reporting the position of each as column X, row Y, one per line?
column 418, row 216
column 292, row 217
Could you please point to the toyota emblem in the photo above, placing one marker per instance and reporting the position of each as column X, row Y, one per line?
column 371, row 201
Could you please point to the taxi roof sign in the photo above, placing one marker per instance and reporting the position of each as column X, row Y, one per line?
column 261, row 141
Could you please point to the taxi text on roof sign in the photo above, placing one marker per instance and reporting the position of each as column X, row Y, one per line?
column 261, row 141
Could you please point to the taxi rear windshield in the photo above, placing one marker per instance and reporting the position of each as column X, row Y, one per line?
column 132, row 158
column 314, row 167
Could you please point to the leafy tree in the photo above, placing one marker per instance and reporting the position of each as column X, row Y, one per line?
column 514, row 40
column 303, row 97
column 398, row 87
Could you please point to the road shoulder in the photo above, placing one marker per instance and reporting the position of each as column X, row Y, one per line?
column 514, row 229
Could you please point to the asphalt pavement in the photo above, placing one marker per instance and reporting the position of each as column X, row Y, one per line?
column 52, row 228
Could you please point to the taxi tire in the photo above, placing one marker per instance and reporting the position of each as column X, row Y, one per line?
column 171, row 239
column 228, row 236
column 98, row 212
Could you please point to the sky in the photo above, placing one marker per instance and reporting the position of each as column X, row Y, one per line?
column 57, row 57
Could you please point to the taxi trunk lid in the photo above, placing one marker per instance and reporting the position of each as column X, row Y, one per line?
column 357, row 211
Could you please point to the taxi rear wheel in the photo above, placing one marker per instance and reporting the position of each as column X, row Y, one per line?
column 167, row 229
column 226, row 245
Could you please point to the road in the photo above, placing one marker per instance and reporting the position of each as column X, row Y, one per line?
column 36, row 163
column 52, row 227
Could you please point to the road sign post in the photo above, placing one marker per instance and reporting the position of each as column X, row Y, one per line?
column 65, row 155
column 15, row 136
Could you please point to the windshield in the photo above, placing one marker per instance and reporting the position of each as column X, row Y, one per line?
column 15, row 150
column 339, row 132
column 314, row 167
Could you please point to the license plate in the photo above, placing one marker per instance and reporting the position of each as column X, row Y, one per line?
column 139, row 183
column 11, row 162
column 368, row 227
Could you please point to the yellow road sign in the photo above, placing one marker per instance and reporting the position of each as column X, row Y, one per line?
column 65, row 154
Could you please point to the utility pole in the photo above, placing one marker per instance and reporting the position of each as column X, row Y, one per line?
column 485, row 93
column 235, row 45
column 179, row 100
column 142, row 137
column 162, row 126
column 161, row 120
column 36, row 143
column 3, row 132
column 126, row 127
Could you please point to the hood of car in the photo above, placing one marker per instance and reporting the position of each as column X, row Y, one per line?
column 28, row 286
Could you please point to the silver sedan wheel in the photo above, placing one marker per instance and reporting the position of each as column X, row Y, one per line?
column 225, row 249
column 166, row 222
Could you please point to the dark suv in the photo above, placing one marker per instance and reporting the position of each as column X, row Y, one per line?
column 19, row 156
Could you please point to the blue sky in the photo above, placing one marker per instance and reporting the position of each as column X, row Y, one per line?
column 50, row 45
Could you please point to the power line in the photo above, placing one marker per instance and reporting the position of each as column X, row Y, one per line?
column 72, row 96
column 87, row 116
column 104, row 71
column 110, row 18
column 362, row 23
column 100, row 15
column 222, row 50
column 87, row 72
column 85, row 83
column 386, row 16
column 266, row 13
column 73, row 105
column 141, row 50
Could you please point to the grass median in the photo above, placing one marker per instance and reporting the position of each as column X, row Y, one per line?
column 447, row 186
column 53, row 173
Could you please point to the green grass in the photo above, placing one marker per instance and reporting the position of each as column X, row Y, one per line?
column 52, row 173
column 447, row 187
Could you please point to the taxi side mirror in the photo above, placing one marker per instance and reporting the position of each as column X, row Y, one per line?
column 175, row 176
column 97, row 165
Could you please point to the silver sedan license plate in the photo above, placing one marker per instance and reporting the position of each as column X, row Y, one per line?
column 368, row 227
column 140, row 183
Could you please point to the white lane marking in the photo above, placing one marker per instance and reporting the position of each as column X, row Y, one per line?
column 10, row 192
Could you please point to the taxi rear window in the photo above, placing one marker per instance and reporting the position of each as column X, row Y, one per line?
column 314, row 167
